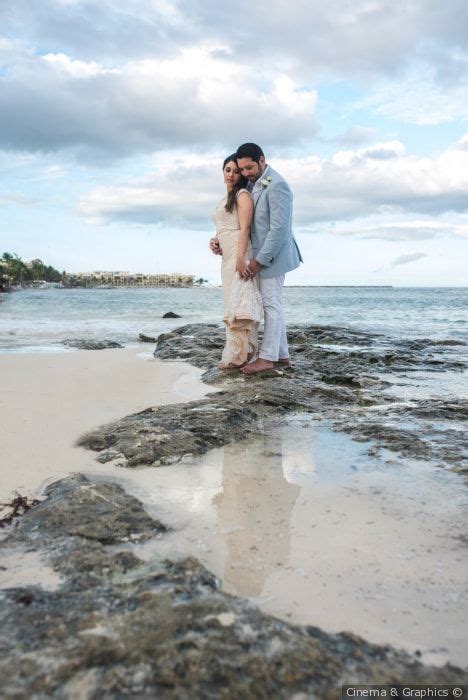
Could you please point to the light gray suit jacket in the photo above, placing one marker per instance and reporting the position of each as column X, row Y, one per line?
column 273, row 243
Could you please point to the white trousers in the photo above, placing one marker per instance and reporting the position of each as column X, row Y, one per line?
column 275, row 342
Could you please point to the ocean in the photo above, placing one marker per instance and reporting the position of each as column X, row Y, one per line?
column 38, row 320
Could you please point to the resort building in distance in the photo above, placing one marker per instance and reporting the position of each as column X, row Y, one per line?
column 17, row 274
column 119, row 278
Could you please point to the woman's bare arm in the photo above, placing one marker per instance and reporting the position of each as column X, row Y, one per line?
column 245, row 214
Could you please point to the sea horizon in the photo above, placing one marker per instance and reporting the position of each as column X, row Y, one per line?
column 43, row 318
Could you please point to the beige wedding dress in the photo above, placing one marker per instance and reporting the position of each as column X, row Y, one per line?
column 243, row 308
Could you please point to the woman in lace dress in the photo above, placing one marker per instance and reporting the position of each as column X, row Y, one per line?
column 243, row 308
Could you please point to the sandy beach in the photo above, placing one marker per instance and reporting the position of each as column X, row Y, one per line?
column 301, row 520
column 48, row 400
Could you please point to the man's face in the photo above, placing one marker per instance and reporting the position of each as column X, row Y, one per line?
column 250, row 169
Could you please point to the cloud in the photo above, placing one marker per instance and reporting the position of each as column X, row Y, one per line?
column 103, row 30
column 181, row 192
column 18, row 198
column 119, row 80
column 462, row 144
column 420, row 98
column 193, row 99
column 348, row 185
column 361, row 40
column 355, row 136
column 379, row 151
column 407, row 258
column 75, row 69
column 407, row 231
column 382, row 179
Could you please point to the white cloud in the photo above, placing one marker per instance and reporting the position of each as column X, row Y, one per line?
column 349, row 185
column 353, row 184
column 420, row 98
column 407, row 258
column 379, row 151
column 76, row 69
column 182, row 191
column 18, row 198
column 416, row 230
column 463, row 143
column 355, row 136
column 196, row 97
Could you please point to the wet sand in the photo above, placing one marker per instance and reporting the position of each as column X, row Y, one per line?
column 301, row 520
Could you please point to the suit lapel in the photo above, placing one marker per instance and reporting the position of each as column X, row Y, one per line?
column 267, row 173
column 257, row 195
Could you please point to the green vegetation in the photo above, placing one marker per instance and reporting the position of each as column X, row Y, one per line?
column 13, row 270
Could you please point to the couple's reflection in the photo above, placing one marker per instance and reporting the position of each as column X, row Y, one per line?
column 254, row 511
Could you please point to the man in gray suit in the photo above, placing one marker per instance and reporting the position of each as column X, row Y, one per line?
column 275, row 251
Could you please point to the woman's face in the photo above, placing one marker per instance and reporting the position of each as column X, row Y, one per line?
column 232, row 174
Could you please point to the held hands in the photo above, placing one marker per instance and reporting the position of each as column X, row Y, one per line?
column 252, row 268
column 247, row 270
column 241, row 268
column 215, row 247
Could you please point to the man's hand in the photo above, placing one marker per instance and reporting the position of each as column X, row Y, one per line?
column 215, row 247
column 252, row 268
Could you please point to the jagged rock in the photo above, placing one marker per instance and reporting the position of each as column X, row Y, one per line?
column 339, row 374
column 87, row 344
column 77, row 507
column 171, row 314
column 120, row 627
column 165, row 434
column 146, row 338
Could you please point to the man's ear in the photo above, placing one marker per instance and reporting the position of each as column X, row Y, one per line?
column 261, row 160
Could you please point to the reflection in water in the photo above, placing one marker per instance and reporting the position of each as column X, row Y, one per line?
column 254, row 510
column 316, row 531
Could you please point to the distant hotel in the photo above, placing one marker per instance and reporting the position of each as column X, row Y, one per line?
column 119, row 278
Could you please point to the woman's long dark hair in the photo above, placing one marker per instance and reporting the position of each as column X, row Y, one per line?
column 232, row 195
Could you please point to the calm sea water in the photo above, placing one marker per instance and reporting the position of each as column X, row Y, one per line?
column 37, row 320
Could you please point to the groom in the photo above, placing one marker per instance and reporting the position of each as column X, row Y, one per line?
column 275, row 251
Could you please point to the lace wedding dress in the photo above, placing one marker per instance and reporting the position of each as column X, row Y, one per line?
column 243, row 309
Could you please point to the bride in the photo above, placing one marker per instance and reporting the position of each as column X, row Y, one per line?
column 243, row 309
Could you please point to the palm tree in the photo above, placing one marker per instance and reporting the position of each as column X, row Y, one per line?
column 16, row 269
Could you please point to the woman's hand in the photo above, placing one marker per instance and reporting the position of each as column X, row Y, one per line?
column 241, row 268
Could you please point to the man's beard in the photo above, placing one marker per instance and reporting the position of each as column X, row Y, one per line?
column 262, row 170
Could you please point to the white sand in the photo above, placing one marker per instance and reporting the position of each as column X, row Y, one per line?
column 47, row 400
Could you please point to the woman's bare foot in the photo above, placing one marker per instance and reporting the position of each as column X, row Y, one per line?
column 259, row 365
column 223, row 366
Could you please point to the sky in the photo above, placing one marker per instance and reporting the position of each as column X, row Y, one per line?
column 115, row 118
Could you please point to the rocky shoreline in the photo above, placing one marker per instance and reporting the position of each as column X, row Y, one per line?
column 110, row 625
column 92, row 620
column 345, row 376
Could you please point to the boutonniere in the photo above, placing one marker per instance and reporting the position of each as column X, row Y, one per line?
column 266, row 181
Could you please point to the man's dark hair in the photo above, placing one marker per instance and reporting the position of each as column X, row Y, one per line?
column 250, row 150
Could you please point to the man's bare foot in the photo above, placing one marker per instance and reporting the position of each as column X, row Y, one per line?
column 284, row 361
column 259, row 365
